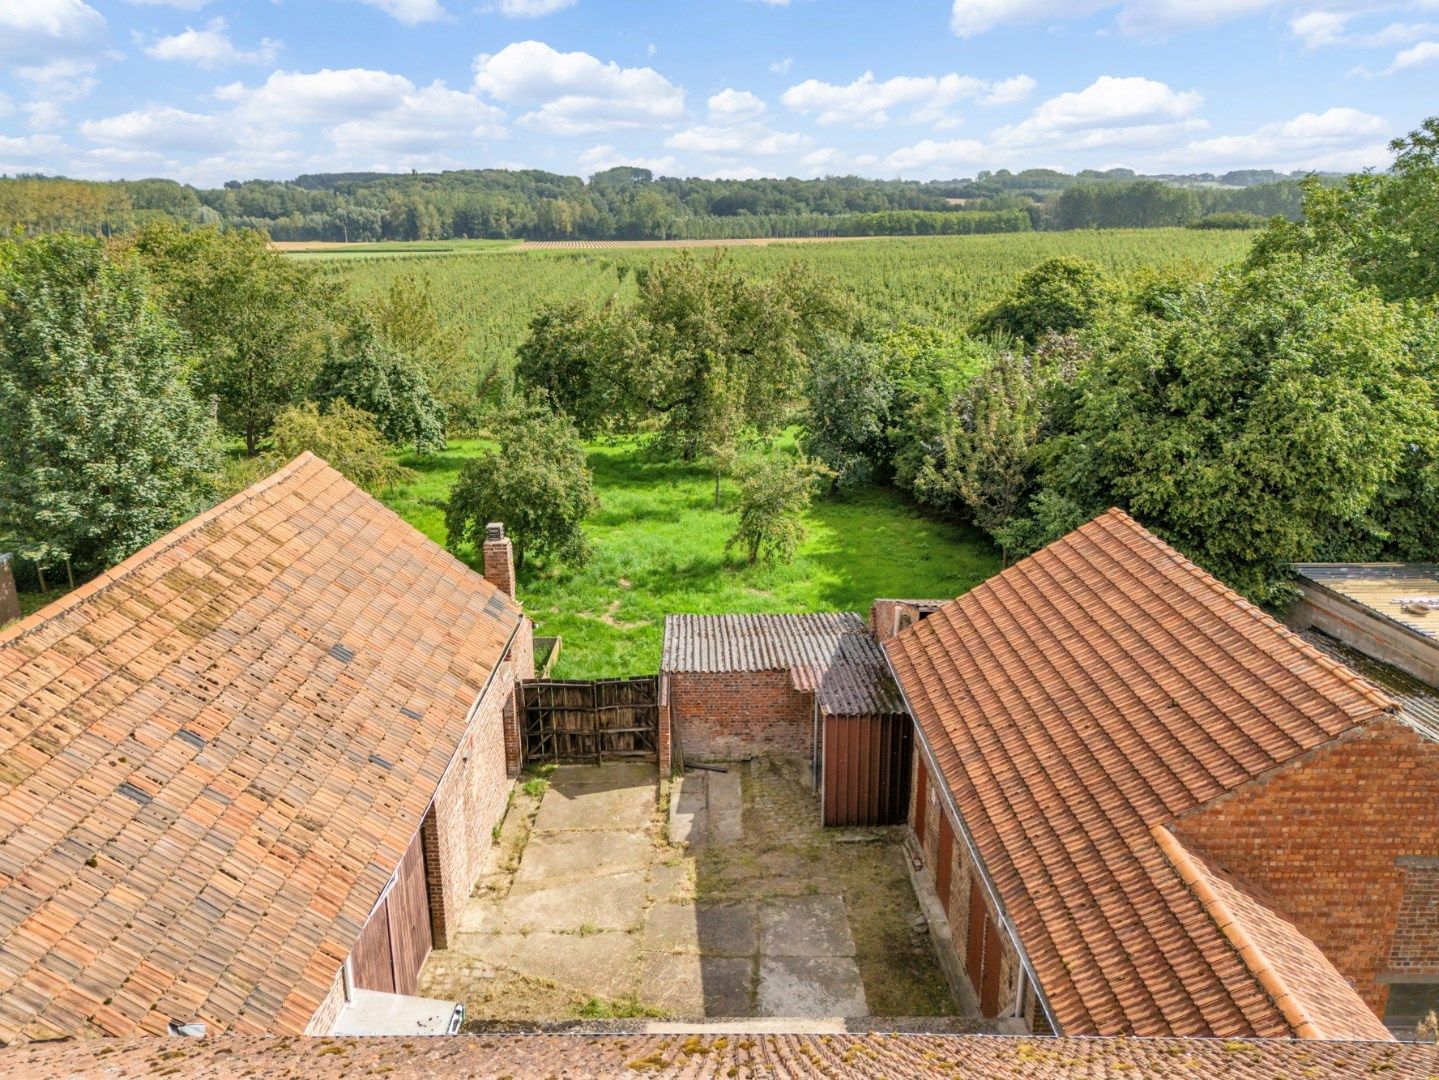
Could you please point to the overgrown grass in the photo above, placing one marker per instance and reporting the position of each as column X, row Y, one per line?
column 659, row 548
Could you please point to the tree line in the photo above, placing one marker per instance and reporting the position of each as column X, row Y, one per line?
column 1284, row 409
column 632, row 203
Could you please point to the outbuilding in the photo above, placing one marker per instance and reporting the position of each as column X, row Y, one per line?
column 813, row 686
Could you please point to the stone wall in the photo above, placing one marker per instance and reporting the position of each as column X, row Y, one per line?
column 738, row 714
column 1334, row 838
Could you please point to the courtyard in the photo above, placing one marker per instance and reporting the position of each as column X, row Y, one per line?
column 612, row 895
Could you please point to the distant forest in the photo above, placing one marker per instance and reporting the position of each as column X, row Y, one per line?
column 632, row 203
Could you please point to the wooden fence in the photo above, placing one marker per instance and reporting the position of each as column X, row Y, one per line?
column 590, row 720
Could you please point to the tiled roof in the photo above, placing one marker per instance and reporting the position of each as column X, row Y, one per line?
column 832, row 654
column 1406, row 593
column 215, row 755
column 1101, row 687
column 1418, row 701
column 733, row 1056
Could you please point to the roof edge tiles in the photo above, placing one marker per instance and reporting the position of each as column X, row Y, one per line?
column 177, row 535
column 1230, row 926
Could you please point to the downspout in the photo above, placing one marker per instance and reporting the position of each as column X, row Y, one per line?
column 942, row 786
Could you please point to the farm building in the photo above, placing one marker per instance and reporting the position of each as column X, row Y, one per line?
column 251, row 769
column 813, row 686
column 1387, row 610
column 1146, row 808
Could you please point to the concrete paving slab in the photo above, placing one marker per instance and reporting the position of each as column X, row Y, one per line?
column 608, row 903
column 673, row 984
column 610, row 774
column 725, row 807
column 714, row 929
column 810, row 986
column 596, row 807
column 600, row 964
column 805, row 926
column 728, row 985
column 670, row 882
column 479, row 916
column 557, row 857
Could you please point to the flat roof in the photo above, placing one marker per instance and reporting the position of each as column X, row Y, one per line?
column 1405, row 593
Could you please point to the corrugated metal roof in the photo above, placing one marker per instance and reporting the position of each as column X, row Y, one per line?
column 832, row 654
column 1403, row 592
column 1418, row 701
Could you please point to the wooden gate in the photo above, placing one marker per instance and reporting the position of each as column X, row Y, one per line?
column 591, row 720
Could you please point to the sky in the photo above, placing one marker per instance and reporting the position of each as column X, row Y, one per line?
column 205, row 91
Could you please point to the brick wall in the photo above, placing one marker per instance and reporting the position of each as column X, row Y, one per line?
column 963, row 876
column 522, row 660
column 471, row 799
column 1329, row 836
column 737, row 714
column 323, row 1021
column 1415, row 948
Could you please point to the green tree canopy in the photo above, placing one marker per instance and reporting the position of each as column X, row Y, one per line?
column 362, row 369
column 775, row 490
column 344, row 436
column 1058, row 296
column 259, row 322
column 1262, row 423
column 848, row 413
column 537, row 482
column 102, row 446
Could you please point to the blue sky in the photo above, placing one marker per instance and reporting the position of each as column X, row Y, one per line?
column 210, row 90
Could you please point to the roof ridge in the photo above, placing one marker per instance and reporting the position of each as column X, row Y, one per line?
column 62, row 604
column 1345, row 674
column 1253, row 956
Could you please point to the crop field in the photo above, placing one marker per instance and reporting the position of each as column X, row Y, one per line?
column 492, row 292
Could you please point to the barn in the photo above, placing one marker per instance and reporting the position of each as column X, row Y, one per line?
column 251, row 769
column 813, row 686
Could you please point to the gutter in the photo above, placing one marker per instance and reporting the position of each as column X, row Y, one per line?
column 942, row 785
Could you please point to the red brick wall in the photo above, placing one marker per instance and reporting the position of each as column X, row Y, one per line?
column 1326, row 837
column 1415, row 949
column 522, row 661
column 470, row 801
column 737, row 714
column 963, row 875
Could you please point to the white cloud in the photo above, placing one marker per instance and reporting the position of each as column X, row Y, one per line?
column 781, row 67
column 737, row 140
column 971, row 17
column 827, row 161
column 291, row 97
column 156, row 128
column 734, row 106
column 1009, row 91
column 1148, row 18
column 1316, row 28
column 575, row 92
column 866, row 102
column 1336, row 139
column 30, row 152
column 1109, row 112
column 599, row 158
column 40, row 31
column 410, row 12
column 42, row 115
column 532, row 8
column 929, row 156
column 431, row 120
column 61, row 79
column 1426, row 52
column 209, row 48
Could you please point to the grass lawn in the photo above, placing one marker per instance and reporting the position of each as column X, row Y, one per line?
column 658, row 547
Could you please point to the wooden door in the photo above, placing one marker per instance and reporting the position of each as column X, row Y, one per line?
column 921, row 797
column 989, row 986
column 974, row 935
column 394, row 943
column 944, row 861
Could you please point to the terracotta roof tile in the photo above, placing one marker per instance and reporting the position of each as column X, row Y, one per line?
column 736, row 1056
column 190, row 825
column 1100, row 687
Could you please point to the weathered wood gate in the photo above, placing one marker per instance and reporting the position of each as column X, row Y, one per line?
column 590, row 720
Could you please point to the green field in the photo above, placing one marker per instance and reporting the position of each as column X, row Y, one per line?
column 943, row 280
column 659, row 548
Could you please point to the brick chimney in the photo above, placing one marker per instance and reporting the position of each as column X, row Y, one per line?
column 499, row 559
